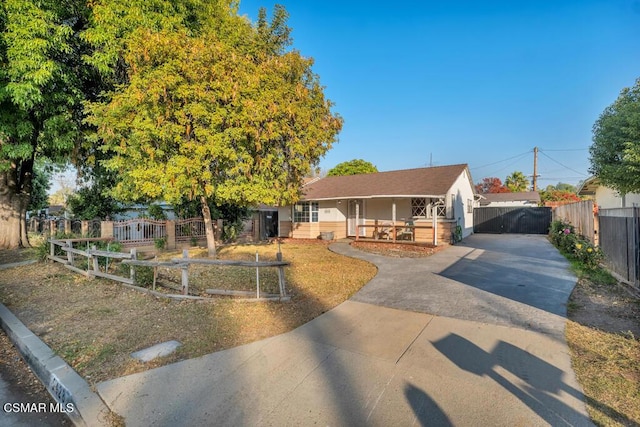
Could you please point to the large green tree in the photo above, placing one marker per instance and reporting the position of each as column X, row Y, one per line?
column 517, row 182
column 615, row 152
column 218, row 111
column 42, row 83
column 352, row 167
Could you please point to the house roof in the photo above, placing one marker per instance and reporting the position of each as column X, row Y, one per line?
column 589, row 186
column 524, row 196
column 420, row 182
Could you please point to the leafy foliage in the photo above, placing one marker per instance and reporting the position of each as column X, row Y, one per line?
column 553, row 195
column 615, row 152
column 563, row 235
column 491, row 185
column 90, row 202
column 156, row 212
column 41, row 182
column 42, row 86
column 517, row 182
column 222, row 113
column 352, row 167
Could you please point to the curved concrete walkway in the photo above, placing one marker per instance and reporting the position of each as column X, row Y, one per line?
column 428, row 341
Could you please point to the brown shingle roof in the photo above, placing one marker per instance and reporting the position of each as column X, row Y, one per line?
column 433, row 181
column 524, row 196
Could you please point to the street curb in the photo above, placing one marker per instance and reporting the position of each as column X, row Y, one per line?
column 62, row 382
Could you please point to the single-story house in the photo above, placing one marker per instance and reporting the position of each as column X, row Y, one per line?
column 605, row 197
column 427, row 198
column 524, row 198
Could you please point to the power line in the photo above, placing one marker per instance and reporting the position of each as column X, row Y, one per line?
column 564, row 166
column 567, row 149
column 501, row 161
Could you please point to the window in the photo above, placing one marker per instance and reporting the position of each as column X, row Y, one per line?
column 305, row 212
column 469, row 206
column 419, row 208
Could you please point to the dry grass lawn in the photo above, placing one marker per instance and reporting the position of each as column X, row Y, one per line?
column 95, row 324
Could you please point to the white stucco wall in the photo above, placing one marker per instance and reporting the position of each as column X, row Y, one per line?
column 463, row 194
column 607, row 198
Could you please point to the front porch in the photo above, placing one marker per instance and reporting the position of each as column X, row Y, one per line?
column 414, row 232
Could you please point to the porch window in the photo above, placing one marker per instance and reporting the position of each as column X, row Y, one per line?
column 419, row 208
column 305, row 212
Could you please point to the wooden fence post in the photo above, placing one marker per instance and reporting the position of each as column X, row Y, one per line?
column 96, row 265
column 132, row 270
column 69, row 253
column 52, row 249
column 257, row 277
column 185, row 273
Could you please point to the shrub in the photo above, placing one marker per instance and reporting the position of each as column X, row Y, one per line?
column 587, row 253
column 562, row 234
column 159, row 242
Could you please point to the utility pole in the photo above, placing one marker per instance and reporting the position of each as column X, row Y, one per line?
column 535, row 168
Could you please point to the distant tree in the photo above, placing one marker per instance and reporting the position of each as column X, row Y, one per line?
column 517, row 182
column 615, row 152
column 562, row 186
column 91, row 202
column 553, row 195
column 491, row 185
column 62, row 194
column 352, row 167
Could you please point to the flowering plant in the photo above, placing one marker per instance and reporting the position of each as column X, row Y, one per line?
column 563, row 235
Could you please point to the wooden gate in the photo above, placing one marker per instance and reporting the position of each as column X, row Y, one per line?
column 518, row 220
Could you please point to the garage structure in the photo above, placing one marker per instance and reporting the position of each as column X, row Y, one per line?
column 517, row 220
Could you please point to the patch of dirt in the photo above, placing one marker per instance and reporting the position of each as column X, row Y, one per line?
column 398, row 250
column 607, row 307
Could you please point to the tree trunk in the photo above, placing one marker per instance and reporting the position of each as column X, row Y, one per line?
column 15, row 189
column 13, row 210
column 208, row 227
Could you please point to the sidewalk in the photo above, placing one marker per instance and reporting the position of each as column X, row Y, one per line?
column 367, row 362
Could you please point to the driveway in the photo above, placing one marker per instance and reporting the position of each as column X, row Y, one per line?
column 452, row 339
column 512, row 280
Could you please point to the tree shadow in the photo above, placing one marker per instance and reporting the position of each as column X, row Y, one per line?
column 542, row 382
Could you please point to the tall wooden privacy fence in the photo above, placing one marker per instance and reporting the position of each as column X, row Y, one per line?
column 620, row 242
column 582, row 216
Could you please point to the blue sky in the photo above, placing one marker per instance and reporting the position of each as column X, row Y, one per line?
column 477, row 82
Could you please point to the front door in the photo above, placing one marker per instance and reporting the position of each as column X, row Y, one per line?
column 355, row 215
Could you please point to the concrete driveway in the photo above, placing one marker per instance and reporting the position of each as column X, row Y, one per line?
column 507, row 279
column 452, row 339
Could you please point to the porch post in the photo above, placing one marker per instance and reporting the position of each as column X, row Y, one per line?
column 434, row 216
column 357, row 220
column 393, row 211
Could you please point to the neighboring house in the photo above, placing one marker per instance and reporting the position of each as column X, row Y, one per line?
column 338, row 203
column 525, row 198
column 142, row 210
column 606, row 197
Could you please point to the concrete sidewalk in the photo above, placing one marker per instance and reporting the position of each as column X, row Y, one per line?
column 367, row 362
